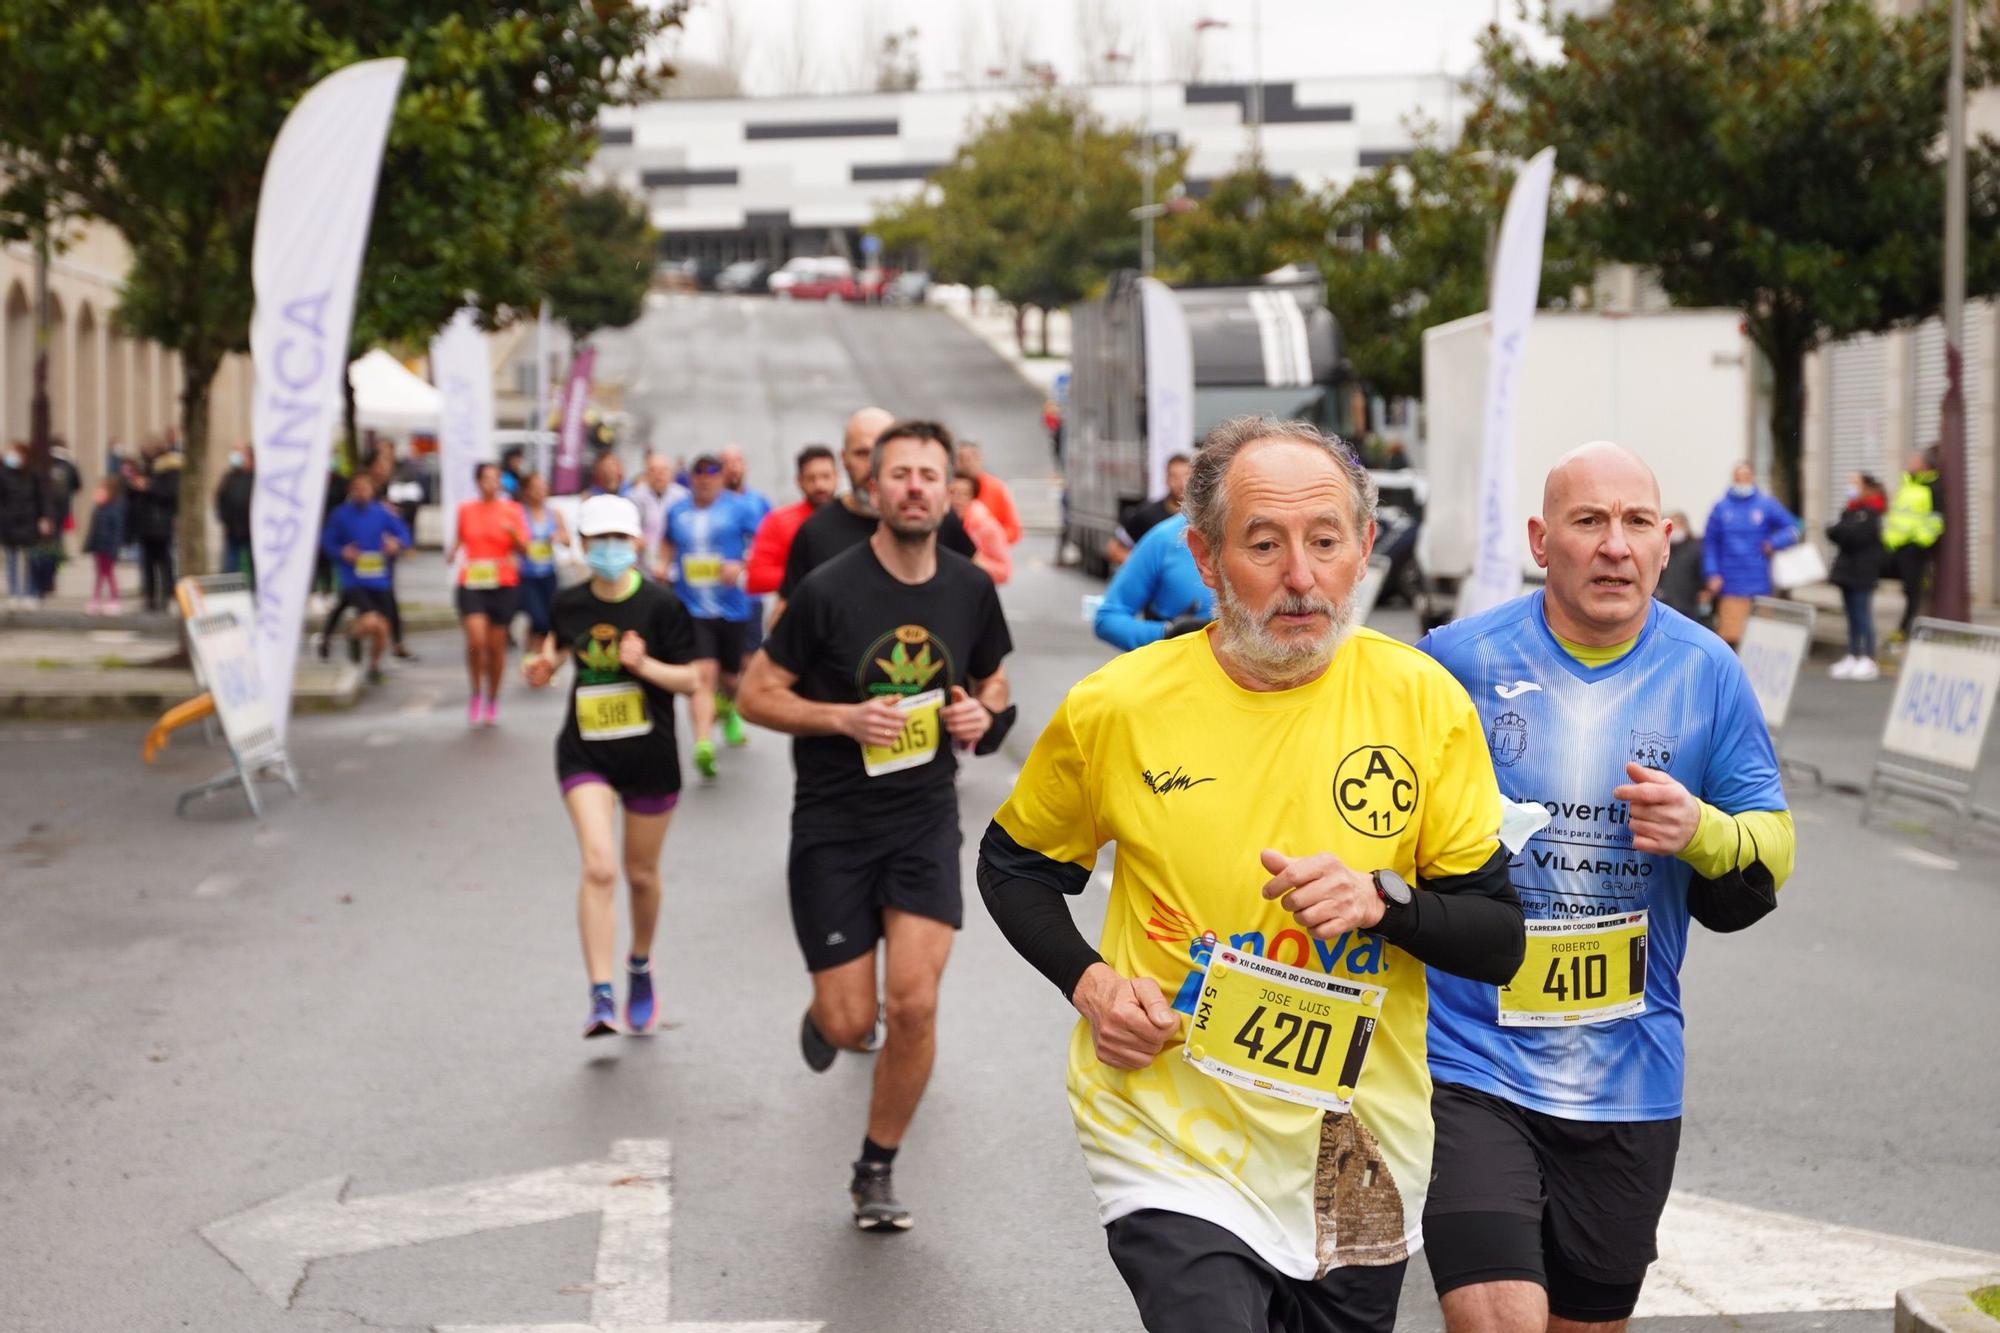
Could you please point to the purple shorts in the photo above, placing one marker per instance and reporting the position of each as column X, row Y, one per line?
column 634, row 803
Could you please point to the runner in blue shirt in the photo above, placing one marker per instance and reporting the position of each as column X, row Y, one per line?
column 1633, row 730
column 708, row 535
column 736, row 479
column 364, row 537
column 1156, row 586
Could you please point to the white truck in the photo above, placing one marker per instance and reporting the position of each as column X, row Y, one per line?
column 1678, row 387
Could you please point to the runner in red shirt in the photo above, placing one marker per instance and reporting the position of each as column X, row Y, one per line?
column 993, row 492
column 819, row 481
column 492, row 532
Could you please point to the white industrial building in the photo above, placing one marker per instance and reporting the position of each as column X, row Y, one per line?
column 772, row 177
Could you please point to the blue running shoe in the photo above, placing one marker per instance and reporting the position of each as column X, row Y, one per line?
column 603, row 1013
column 639, row 1010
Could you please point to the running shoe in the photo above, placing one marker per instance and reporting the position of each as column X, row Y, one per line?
column 375, row 676
column 325, row 649
column 475, row 712
column 818, row 1051
column 732, row 721
column 603, row 1015
column 873, row 1190
column 704, row 757
column 639, row 1011
column 404, row 653
column 878, row 1034
column 492, row 712
column 354, row 650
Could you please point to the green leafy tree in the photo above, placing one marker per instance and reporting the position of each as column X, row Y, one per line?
column 157, row 119
column 1036, row 204
column 1411, row 252
column 1783, row 159
column 600, row 273
column 1248, row 224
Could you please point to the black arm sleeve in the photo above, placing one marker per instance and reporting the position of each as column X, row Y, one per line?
column 1024, row 893
column 1467, row 925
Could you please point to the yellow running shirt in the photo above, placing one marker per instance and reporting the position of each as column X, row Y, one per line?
column 1380, row 761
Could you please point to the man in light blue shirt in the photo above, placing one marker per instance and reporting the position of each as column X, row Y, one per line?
column 1157, row 585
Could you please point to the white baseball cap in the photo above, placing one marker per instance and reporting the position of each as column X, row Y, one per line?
column 608, row 516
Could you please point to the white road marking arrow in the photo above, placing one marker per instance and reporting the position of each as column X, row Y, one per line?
column 1721, row 1258
column 272, row 1244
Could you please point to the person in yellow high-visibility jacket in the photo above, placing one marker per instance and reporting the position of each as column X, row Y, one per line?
column 1911, row 529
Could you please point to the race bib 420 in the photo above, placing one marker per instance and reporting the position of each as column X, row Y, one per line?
column 1589, row 971
column 1280, row 1030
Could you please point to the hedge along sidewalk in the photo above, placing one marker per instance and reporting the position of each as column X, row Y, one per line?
column 1946, row 1305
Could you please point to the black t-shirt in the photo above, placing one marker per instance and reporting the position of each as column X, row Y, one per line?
column 852, row 632
column 1142, row 520
column 630, row 721
column 834, row 528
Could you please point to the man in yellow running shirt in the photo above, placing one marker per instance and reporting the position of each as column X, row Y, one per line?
column 1305, row 817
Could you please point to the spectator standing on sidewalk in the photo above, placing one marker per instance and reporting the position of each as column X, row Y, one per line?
column 232, row 510
column 102, row 542
column 65, row 484
column 1743, row 529
column 1681, row 586
column 1857, row 568
column 153, row 489
column 1911, row 531
column 24, row 521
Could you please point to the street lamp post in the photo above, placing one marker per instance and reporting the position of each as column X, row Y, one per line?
column 1952, row 591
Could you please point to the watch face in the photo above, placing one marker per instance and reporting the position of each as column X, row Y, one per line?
column 1392, row 886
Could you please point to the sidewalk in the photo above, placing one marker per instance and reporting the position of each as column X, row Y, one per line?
column 993, row 323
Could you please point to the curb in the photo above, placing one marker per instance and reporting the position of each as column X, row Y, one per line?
column 327, row 689
column 1944, row 1305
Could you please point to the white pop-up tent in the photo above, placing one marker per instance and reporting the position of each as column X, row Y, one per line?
column 389, row 398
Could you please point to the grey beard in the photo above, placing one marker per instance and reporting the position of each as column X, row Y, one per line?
column 1244, row 635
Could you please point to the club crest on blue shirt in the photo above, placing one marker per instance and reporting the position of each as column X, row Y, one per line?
column 1507, row 738
column 1653, row 749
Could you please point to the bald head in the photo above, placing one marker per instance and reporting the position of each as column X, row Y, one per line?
column 857, row 445
column 865, row 425
column 1602, row 540
column 1595, row 468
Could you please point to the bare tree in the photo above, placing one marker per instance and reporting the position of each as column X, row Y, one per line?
column 975, row 57
column 1184, row 44
column 792, row 67
column 1012, row 40
column 735, row 44
column 1101, row 33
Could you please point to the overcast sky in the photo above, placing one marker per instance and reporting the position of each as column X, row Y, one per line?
column 960, row 41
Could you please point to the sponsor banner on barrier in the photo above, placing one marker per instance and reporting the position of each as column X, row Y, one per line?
column 228, row 661
column 1944, row 703
column 1772, row 651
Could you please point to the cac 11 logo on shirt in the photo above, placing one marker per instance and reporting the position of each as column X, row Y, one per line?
column 1375, row 790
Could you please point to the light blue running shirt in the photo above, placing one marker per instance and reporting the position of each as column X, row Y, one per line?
column 1560, row 734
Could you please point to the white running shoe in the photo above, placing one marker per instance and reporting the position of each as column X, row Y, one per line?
column 1865, row 669
column 1843, row 669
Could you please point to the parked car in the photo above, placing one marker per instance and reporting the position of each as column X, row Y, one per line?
column 816, row 272
column 908, row 288
column 745, row 275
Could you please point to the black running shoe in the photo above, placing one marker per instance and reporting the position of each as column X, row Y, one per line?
column 354, row 650
column 403, row 654
column 873, row 1190
column 818, row 1051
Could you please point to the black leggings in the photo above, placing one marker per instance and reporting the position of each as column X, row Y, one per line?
column 156, row 570
column 1913, row 567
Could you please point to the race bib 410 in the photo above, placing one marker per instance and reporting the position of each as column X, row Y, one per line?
column 1589, row 971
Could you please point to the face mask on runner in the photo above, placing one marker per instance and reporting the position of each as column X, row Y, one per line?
column 609, row 559
column 1742, row 490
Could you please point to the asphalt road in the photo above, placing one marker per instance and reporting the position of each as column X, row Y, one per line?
column 381, row 982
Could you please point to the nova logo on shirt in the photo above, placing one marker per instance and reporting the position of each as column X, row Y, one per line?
column 1356, row 952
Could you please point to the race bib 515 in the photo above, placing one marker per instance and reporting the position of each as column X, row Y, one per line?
column 923, row 732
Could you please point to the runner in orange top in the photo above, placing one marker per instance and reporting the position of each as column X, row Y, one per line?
column 492, row 531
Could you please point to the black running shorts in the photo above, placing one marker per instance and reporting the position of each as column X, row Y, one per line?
column 722, row 641
column 371, row 601
column 1191, row 1276
column 1571, row 1205
column 839, row 888
column 498, row 605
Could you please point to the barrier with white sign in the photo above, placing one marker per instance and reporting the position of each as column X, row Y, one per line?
column 220, row 617
column 1937, row 723
column 1776, row 641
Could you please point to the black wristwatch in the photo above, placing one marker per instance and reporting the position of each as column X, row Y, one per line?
column 1390, row 888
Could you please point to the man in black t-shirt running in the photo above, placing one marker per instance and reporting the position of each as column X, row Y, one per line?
column 850, row 520
column 885, row 665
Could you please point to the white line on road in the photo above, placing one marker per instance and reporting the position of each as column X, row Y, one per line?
column 271, row 1244
column 1721, row 1258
